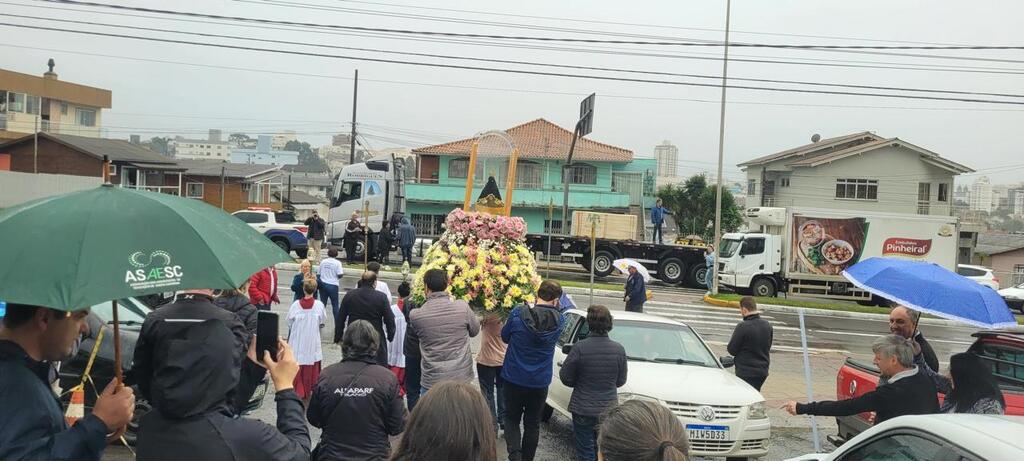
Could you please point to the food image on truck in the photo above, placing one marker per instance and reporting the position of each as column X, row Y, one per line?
column 826, row 246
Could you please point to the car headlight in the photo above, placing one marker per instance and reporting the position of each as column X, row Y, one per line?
column 626, row 396
column 757, row 411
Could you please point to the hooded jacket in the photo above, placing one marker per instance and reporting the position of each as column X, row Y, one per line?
column 187, row 363
column 263, row 287
column 250, row 374
column 531, row 334
column 406, row 234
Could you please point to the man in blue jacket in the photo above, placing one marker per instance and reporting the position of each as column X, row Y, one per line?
column 531, row 333
column 635, row 291
column 658, row 213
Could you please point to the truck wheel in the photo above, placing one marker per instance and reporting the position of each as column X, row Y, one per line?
column 672, row 270
column 603, row 263
column 697, row 276
column 302, row 252
column 282, row 244
column 763, row 287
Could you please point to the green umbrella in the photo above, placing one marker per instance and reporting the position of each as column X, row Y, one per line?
column 75, row 250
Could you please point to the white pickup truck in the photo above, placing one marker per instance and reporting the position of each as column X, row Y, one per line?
column 279, row 226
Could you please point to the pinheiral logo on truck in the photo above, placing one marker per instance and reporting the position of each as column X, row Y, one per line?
column 906, row 247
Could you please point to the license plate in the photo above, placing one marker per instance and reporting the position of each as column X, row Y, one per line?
column 705, row 432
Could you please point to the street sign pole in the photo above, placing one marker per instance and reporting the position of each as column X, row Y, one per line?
column 551, row 229
column 583, row 127
column 593, row 242
column 721, row 155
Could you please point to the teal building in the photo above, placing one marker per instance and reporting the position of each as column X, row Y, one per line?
column 604, row 178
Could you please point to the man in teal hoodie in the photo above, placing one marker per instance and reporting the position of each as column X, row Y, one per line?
column 531, row 334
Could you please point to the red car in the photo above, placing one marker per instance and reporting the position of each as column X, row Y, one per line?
column 1004, row 350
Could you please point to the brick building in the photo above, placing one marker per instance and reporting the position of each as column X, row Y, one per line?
column 245, row 185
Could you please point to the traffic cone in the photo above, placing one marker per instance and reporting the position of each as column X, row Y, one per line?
column 76, row 409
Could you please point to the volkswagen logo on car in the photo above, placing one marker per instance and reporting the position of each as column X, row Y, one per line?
column 706, row 413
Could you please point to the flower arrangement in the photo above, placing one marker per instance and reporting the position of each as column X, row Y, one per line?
column 488, row 263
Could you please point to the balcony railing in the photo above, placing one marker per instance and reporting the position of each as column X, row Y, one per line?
column 172, row 190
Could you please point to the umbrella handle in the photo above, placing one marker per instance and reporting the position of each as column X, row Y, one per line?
column 118, row 374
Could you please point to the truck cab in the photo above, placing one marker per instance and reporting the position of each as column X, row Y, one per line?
column 373, row 190
column 751, row 261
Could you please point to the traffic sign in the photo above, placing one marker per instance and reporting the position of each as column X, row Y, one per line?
column 586, row 122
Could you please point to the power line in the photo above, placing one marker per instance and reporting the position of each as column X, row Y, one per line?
column 592, row 49
column 530, row 63
column 511, row 71
column 534, row 38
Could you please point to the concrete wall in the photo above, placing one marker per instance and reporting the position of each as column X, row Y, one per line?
column 17, row 188
column 897, row 169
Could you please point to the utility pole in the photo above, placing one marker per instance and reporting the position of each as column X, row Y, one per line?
column 721, row 155
column 35, row 148
column 352, row 142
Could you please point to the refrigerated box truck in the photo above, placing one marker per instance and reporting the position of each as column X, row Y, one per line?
column 803, row 251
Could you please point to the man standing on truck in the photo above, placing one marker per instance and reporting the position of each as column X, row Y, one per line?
column 658, row 213
column 317, row 228
column 751, row 344
column 636, row 291
column 909, row 392
column 903, row 321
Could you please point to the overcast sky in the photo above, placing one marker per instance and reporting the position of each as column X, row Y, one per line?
column 198, row 88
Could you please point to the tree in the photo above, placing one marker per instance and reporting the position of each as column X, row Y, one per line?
column 693, row 206
column 306, row 154
column 238, row 138
column 160, row 145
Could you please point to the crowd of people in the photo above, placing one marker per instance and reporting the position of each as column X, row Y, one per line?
column 407, row 371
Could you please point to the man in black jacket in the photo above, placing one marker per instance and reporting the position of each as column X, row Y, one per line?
column 356, row 402
column 751, row 344
column 316, row 229
column 908, row 392
column 366, row 303
column 595, row 368
column 904, row 322
column 187, row 363
column 413, row 366
column 33, row 426
column 250, row 374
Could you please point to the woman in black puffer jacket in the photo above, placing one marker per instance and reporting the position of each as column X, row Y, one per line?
column 250, row 376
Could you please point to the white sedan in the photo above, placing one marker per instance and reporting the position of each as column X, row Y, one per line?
column 671, row 364
column 954, row 437
column 1014, row 297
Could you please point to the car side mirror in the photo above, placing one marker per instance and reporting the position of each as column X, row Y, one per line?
column 728, row 361
column 566, row 348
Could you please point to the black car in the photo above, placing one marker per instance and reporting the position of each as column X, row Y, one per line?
column 131, row 313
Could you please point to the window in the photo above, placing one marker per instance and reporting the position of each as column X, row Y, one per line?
column 15, row 102
column 583, row 174
column 284, row 216
column 194, row 190
column 85, row 117
column 751, row 187
column 924, row 192
column 970, row 271
column 371, row 189
column 769, row 188
column 528, row 175
column 857, row 189
column 63, row 108
column 428, row 224
column 491, row 167
column 554, row 227
column 112, row 170
column 350, row 190
column 784, row 182
column 943, row 193
column 753, row 246
column 32, row 104
column 896, row 447
column 570, row 324
column 258, row 193
column 252, row 218
column 1007, row 363
column 458, row 168
column 1018, row 274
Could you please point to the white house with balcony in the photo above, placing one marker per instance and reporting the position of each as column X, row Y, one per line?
column 29, row 103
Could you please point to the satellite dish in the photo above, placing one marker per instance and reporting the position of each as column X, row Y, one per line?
column 816, row 137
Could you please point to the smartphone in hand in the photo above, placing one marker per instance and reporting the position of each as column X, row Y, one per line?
column 266, row 334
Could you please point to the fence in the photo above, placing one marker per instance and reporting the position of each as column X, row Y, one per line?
column 17, row 188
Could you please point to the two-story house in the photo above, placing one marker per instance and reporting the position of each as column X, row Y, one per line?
column 602, row 178
column 30, row 104
column 860, row 171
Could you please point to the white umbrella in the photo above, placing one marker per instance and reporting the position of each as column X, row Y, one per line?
column 624, row 264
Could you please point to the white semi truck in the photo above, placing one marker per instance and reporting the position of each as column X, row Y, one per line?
column 803, row 251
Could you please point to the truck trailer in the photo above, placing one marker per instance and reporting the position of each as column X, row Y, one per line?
column 803, row 251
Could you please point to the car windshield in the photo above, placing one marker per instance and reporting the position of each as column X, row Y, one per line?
column 729, row 247
column 129, row 311
column 659, row 342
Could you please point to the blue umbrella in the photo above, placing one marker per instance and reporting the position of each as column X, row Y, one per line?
column 931, row 288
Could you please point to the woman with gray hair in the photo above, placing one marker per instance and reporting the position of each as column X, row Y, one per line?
column 908, row 392
column 356, row 386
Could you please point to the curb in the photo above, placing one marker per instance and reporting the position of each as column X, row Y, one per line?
column 828, row 312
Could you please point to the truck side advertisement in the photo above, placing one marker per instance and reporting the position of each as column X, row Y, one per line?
column 827, row 246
